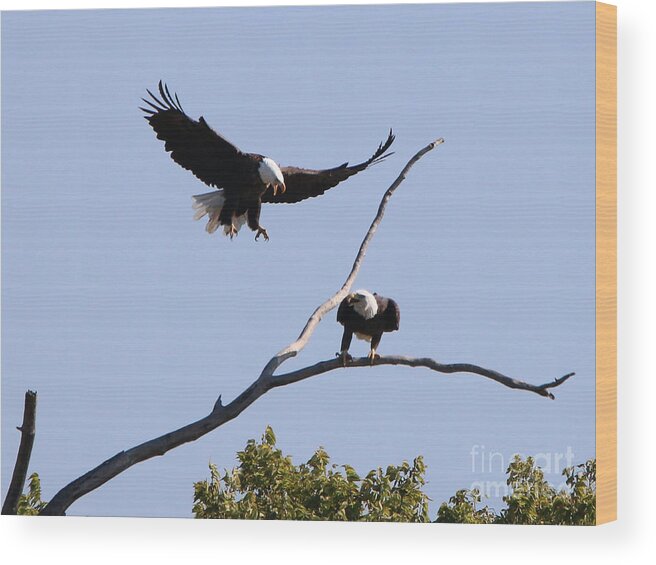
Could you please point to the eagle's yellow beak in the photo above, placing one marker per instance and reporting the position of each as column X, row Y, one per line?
column 278, row 186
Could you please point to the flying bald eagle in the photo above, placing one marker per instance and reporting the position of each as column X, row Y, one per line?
column 243, row 180
column 367, row 316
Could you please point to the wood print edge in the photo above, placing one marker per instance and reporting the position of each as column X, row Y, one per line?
column 606, row 262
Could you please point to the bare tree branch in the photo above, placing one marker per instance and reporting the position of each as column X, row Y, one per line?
column 28, row 431
column 427, row 362
column 221, row 414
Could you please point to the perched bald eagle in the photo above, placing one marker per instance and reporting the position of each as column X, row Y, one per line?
column 243, row 180
column 367, row 316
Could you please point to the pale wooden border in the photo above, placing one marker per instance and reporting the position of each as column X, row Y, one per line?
column 606, row 260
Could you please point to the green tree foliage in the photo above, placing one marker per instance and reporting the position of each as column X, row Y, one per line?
column 531, row 499
column 30, row 504
column 462, row 509
column 267, row 485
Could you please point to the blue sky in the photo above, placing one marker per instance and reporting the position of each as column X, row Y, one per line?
column 129, row 320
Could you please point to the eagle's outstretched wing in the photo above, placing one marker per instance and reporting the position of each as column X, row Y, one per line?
column 193, row 144
column 306, row 183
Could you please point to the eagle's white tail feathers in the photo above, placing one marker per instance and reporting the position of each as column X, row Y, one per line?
column 211, row 204
column 213, row 222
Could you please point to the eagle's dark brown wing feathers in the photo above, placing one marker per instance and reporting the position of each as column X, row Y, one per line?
column 343, row 312
column 393, row 315
column 307, row 183
column 194, row 145
column 388, row 312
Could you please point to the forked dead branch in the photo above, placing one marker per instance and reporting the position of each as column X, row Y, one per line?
column 27, row 430
column 267, row 379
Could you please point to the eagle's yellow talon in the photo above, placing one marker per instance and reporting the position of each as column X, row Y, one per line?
column 261, row 231
column 345, row 358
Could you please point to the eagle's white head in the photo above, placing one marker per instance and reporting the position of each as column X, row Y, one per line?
column 364, row 303
column 271, row 174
